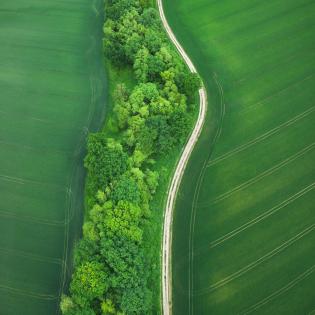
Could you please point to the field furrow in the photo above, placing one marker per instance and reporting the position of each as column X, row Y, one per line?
column 52, row 92
column 243, row 235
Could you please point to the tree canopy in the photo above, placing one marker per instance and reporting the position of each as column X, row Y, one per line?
column 111, row 264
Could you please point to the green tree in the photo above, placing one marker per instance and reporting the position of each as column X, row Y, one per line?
column 170, row 91
column 152, row 180
column 179, row 123
column 150, row 18
column 114, row 9
column 123, row 112
column 138, row 158
column 188, row 83
column 136, row 300
column 90, row 232
column 126, row 189
column 67, row 306
column 153, row 40
column 90, row 281
column 85, row 250
column 108, row 307
column 113, row 47
column 140, row 66
column 131, row 33
column 105, row 160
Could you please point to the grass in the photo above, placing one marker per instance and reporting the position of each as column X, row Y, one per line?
column 52, row 87
column 165, row 166
column 244, row 220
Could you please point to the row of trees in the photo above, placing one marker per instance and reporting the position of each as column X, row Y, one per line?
column 111, row 264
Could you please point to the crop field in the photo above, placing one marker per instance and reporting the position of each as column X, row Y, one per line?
column 244, row 225
column 51, row 93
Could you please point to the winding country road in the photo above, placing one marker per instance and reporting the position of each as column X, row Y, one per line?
column 176, row 180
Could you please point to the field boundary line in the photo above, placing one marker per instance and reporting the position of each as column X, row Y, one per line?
column 279, row 292
column 264, row 174
column 8, row 114
column 69, row 96
column 38, row 296
column 176, row 180
column 45, row 150
column 94, row 9
column 257, row 262
column 262, row 216
column 56, row 261
column 262, row 137
column 56, row 223
column 22, row 181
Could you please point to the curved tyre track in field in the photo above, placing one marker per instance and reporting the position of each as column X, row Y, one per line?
column 257, row 262
column 176, row 180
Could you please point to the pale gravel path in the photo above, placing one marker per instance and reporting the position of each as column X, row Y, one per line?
column 178, row 174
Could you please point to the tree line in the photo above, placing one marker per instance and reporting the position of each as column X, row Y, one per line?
column 111, row 262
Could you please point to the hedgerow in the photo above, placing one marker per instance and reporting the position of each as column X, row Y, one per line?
column 111, row 264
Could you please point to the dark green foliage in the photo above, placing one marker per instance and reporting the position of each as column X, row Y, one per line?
column 188, row 83
column 114, row 9
column 85, row 250
column 161, row 132
column 150, row 19
column 153, row 40
column 105, row 160
column 112, row 264
column 179, row 123
column 136, row 300
column 126, row 189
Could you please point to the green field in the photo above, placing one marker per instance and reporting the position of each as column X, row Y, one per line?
column 51, row 93
column 244, row 226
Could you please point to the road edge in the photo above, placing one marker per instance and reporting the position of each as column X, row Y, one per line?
column 178, row 174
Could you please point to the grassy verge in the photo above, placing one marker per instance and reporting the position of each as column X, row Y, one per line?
column 166, row 166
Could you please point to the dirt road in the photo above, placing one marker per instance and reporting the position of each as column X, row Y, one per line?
column 176, row 180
